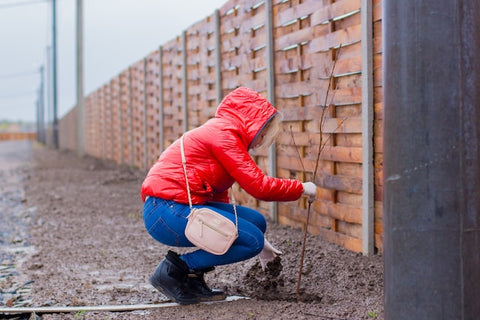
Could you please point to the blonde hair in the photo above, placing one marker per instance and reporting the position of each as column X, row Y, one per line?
column 269, row 133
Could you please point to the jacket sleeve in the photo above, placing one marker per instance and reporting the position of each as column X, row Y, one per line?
column 233, row 156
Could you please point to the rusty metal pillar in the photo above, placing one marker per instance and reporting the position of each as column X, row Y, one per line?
column 432, row 159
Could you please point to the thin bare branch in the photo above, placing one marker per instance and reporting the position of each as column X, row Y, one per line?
column 325, row 107
column 321, row 146
column 296, row 149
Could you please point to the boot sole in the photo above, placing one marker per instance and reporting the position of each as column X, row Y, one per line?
column 166, row 292
column 213, row 298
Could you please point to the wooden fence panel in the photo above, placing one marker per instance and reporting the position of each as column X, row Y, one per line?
column 67, row 125
column 201, row 72
column 115, row 118
column 108, row 123
column 125, row 113
column 173, row 90
column 101, row 123
column 321, row 108
column 153, row 115
column 138, row 109
column 243, row 45
column 88, row 124
column 91, row 123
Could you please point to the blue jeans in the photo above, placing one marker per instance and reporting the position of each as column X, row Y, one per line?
column 165, row 221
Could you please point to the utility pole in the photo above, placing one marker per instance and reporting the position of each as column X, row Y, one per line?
column 80, row 98
column 48, row 93
column 38, row 116
column 54, row 73
column 40, row 111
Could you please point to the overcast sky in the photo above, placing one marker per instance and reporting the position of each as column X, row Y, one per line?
column 117, row 33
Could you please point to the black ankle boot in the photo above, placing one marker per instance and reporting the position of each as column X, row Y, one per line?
column 196, row 284
column 170, row 277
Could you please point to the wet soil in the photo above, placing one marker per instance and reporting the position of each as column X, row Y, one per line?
column 82, row 221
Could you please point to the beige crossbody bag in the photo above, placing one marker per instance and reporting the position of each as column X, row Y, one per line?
column 207, row 229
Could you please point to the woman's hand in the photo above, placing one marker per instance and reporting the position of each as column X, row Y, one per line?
column 267, row 254
column 310, row 190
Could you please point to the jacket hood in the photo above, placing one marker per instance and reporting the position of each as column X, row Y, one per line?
column 247, row 110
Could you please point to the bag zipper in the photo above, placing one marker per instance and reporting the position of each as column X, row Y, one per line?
column 211, row 227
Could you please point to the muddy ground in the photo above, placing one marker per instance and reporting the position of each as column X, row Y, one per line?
column 80, row 240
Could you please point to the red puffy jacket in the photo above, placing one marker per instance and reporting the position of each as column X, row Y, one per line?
column 217, row 156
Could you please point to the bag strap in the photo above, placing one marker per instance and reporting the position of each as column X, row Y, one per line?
column 184, row 163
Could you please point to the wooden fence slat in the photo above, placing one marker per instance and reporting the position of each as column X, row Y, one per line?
column 339, row 211
column 348, row 242
column 377, row 10
column 335, row 10
column 295, row 38
column 304, row 9
column 335, row 39
column 343, row 183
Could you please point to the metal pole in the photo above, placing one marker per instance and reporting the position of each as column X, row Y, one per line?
column 272, row 151
column 54, row 73
column 368, row 239
column 41, row 110
column 432, row 159
column 48, row 93
column 80, row 98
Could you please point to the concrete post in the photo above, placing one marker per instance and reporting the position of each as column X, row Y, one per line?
column 432, row 159
column 272, row 151
column 368, row 207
